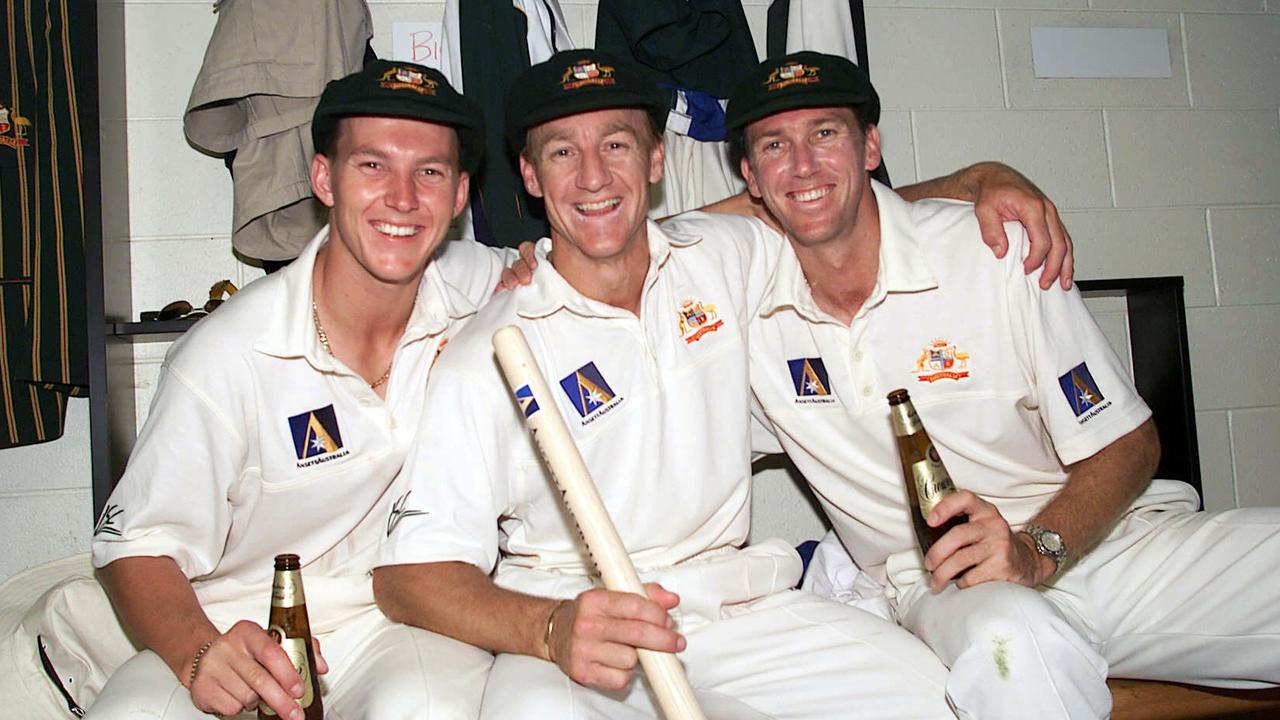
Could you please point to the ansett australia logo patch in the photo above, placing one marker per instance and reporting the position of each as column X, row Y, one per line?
column 587, row 73
column 1082, row 393
column 588, row 392
column 403, row 78
column 697, row 319
column 809, row 377
column 316, row 437
column 942, row 360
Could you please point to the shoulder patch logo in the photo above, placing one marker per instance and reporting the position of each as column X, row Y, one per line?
column 399, row 511
column 590, row 395
column 809, row 378
column 1082, row 393
column 316, row 437
column 696, row 320
column 942, row 360
column 106, row 524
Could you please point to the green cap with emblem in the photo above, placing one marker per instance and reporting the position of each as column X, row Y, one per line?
column 801, row 80
column 386, row 88
column 578, row 81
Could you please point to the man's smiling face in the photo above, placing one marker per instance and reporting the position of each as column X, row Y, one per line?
column 810, row 167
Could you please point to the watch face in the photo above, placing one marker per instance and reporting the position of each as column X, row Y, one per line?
column 1051, row 541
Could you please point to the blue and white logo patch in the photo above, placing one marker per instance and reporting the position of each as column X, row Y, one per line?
column 809, row 378
column 316, row 436
column 1082, row 393
column 589, row 393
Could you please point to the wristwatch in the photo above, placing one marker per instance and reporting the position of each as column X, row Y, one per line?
column 1048, row 543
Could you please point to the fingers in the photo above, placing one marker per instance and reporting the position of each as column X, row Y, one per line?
column 959, row 563
column 322, row 665
column 991, row 223
column 636, row 621
column 1068, row 261
column 215, row 700
column 1059, row 247
column 662, row 596
column 951, row 542
column 260, row 685
column 605, row 677
column 984, row 538
column 527, row 254
column 230, row 680
column 507, row 280
column 961, row 502
column 270, row 668
column 599, row 633
column 1033, row 217
column 266, row 668
column 521, row 271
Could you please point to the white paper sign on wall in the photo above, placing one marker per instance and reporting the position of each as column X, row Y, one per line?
column 1094, row 52
column 418, row 42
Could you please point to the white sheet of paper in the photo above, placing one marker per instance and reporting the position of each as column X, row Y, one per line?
column 418, row 42
column 1094, row 52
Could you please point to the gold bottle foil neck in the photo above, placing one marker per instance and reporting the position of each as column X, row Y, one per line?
column 286, row 591
column 905, row 420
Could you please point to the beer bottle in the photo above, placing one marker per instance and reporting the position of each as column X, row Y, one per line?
column 926, row 477
column 288, row 625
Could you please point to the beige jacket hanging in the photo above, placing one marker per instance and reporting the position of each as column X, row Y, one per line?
column 263, row 72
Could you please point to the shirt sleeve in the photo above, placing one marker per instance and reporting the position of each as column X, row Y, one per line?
column 1086, row 397
column 764, row 436
column 173, row 499
column 453, row 473
column 473, row 268
column 757, row 246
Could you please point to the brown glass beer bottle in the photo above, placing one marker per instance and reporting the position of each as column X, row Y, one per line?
column 927, row 479
column 288, row 625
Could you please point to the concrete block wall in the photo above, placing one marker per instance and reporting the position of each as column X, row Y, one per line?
column 1171, row 176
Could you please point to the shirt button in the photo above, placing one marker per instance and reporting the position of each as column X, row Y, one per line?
column 857, row 356
column 866, row 391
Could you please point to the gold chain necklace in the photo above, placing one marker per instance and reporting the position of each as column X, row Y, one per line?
column 324, row 341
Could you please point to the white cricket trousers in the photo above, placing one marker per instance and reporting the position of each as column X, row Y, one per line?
column 1171, row 595
column 378, row 670
column 788, row 655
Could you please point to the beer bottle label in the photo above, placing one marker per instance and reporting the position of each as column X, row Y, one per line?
column 287, row 589
column 905, row 420
column 932, row 481
column 296, row 649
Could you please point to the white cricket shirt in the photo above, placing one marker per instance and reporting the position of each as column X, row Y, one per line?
column 656, row 404
column 259, row 442
column 1011, row 382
